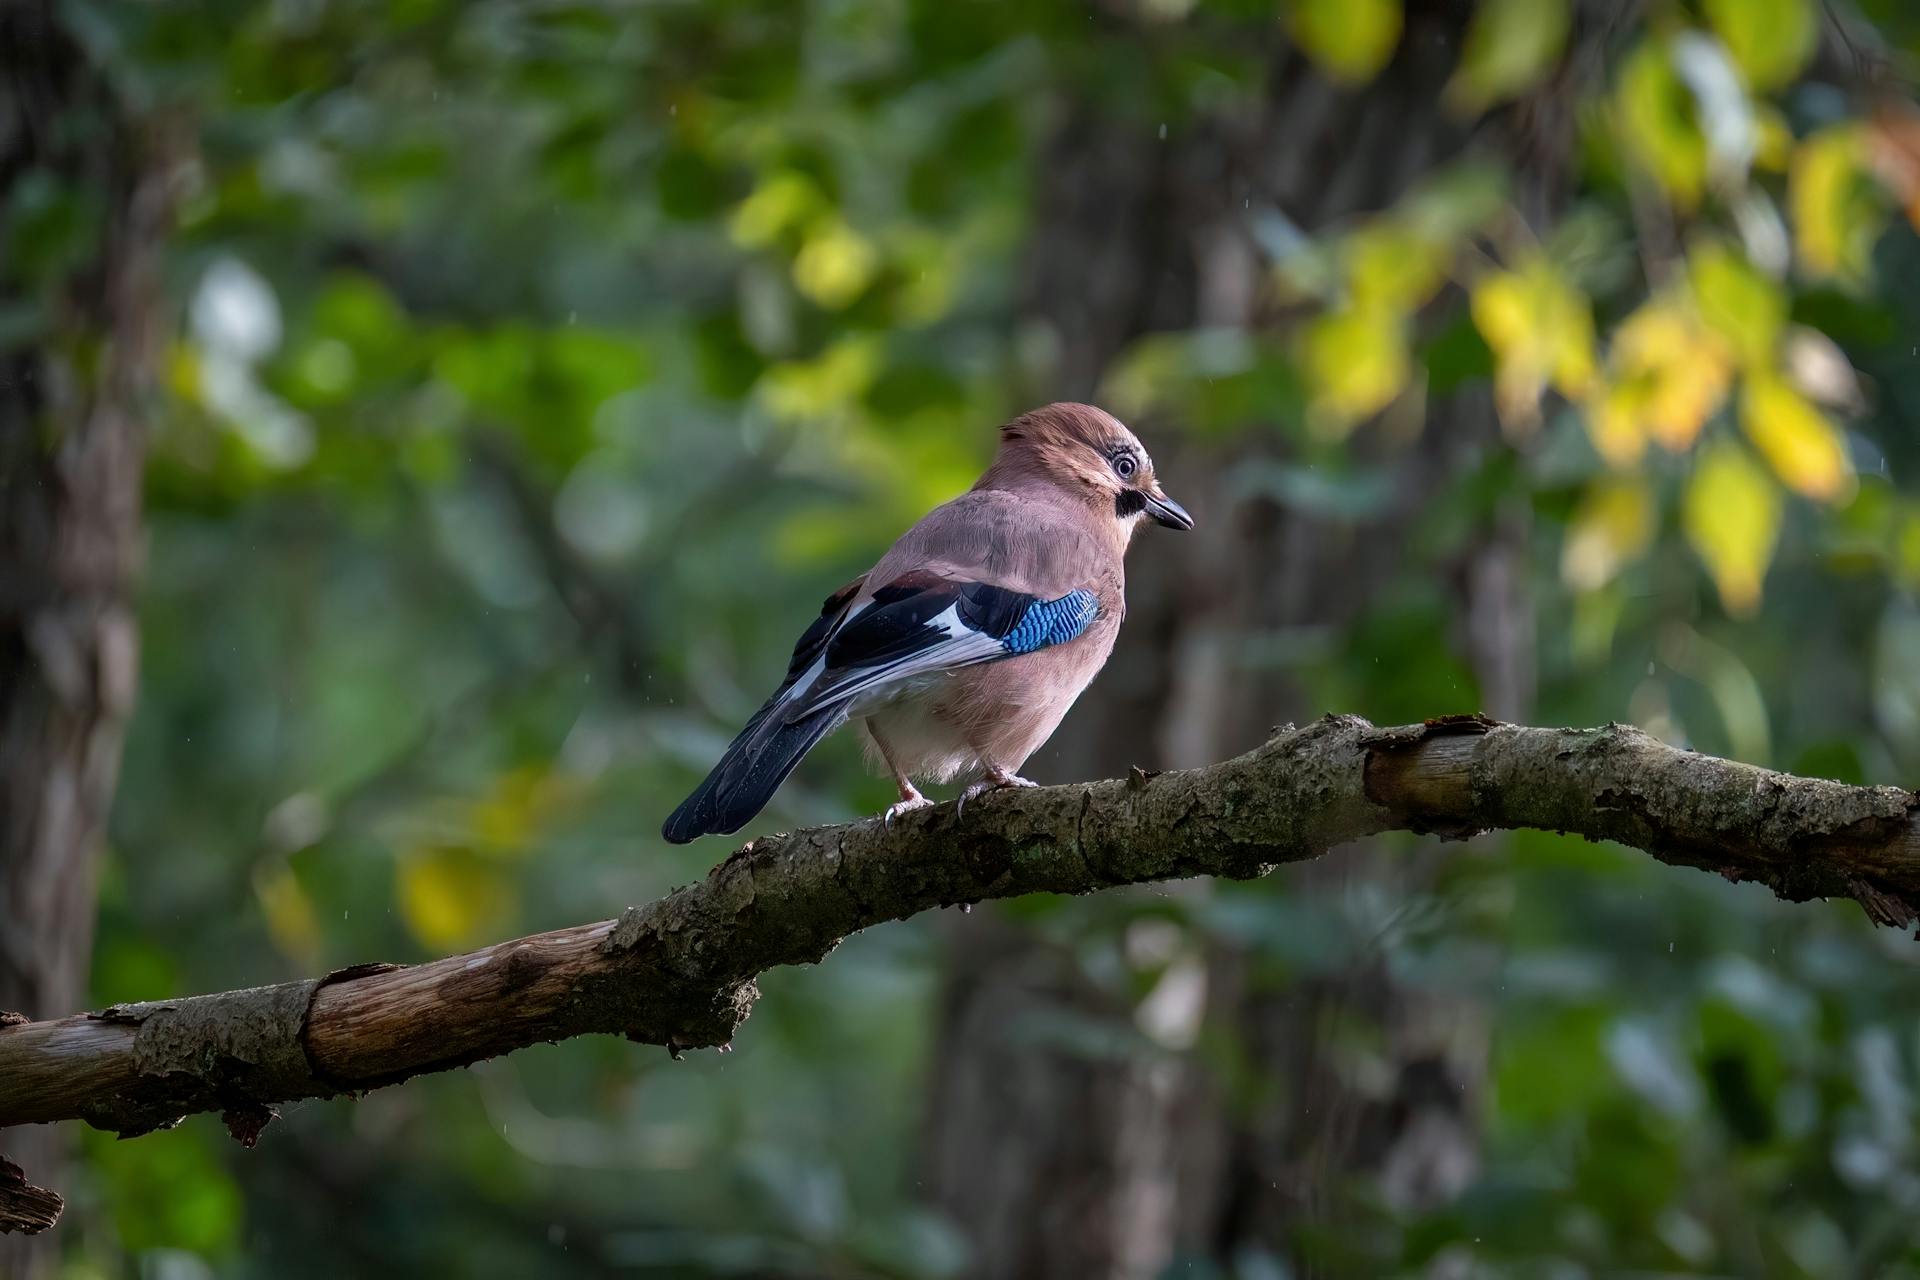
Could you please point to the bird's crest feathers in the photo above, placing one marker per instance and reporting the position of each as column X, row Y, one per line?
column 1068, row 446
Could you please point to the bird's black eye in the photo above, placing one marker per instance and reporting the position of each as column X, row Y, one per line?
column 1125, row 464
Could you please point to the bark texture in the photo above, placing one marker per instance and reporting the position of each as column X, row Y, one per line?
column 24, row 1207
column 80, row 221
column 679, row 972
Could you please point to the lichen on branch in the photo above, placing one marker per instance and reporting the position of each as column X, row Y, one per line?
column 679, row 972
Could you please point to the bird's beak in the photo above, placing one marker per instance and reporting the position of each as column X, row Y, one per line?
column 1164, row 510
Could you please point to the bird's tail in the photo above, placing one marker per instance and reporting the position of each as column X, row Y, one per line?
column 754, row 766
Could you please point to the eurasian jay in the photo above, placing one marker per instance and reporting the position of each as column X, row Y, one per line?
column 961, row 650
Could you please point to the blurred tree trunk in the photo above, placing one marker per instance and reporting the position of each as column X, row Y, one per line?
column 1083, row 1154
column 78, row 225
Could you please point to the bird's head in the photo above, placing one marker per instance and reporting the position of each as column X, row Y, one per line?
column 1089, row 453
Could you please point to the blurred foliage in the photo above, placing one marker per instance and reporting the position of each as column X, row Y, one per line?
column 541, row 366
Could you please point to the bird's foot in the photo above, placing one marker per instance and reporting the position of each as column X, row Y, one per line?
column 994, row 781
column 905, row 805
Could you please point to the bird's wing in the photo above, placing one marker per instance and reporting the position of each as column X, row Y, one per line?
column 930, row 621
column 813, row 641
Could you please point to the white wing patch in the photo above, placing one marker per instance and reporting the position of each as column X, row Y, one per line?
column 963, row 647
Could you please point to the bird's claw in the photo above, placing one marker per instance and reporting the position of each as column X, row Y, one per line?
column 906, row 805
column 992, row 782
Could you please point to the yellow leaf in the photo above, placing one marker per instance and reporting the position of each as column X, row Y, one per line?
column 1510, row 46
column 1740, row 304
column 1770, row 40
column 1833, row 218
column 1671, row 370
column 1350, row 39
column 1355, row 362
column 1805, row 450
column 1773, row 139
column 514, row 809
column 1390, row 267
column 288, row 912
column 1613, row 526
column 451, row 896
column 1613, row 418
column 1658, row 123
column 780, row 201
column 1540, row 329
column 1732, row 516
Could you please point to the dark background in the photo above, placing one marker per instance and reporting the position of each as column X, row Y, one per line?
column 459, row 408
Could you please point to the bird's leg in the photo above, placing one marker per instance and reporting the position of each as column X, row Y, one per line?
column 1006, row 778
column 910, row 797
column 996, row 778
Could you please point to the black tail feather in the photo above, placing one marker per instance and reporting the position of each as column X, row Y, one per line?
column 754, row 766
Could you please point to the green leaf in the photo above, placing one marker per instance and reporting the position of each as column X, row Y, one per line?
column 1739, row 303
column 1769, row 39
column 1511, row 45
column 1835, row 215
column 1658, row 124
column 1732, row 517
column 1350, row 39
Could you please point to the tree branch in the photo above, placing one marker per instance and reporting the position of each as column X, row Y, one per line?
column 24, row 1207
column 679, row 972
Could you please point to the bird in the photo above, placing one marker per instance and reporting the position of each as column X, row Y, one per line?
column 963, row 647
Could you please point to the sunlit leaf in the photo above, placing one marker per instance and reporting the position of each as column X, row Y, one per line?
column 782, row 199
column 1613, row 526
column 1659, row 125
column 1732, row 517
column 1805, row 450
column 1668, row 370
column 1835, row 219
column 1510, row 46
column 835, row 264
column 1355, row 362
column 1350, row 39
column 1741, row 305
column 1390, row 268
column 451, row 896
column 1540, row 328
column 1616, row 424
column 1769, row 39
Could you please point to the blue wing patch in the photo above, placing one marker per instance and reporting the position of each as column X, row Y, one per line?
column 1051, row 622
